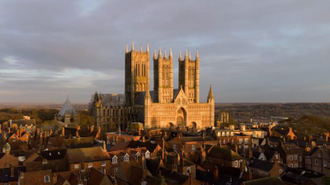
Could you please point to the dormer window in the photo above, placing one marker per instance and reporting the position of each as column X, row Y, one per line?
column 147, row 155
column 188, row 170
column 114, row 159
column 126, row 157
column 46, row 178
column 104, row 163
column 174, row 146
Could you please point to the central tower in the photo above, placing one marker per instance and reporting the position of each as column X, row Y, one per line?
column 163, row 77
column 189, row 76
column 136, row 73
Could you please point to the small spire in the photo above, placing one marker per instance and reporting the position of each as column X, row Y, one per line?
column 197, row 55
column 170, row 55
column 155, row 55
column 210, row 93
column 147, row 46
column 141, row 50
column 189, row 55
column 160, row 52
column 126, row 48
column 186, row 54
column 180, row 55
column 165, row 54
column 132, row 46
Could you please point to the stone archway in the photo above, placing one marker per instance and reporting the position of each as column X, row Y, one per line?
column 181, row 117
column 170, row 125
column 193, row 125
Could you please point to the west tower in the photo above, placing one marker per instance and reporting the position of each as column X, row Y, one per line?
column 136, row 72
column 163, row 77
column 189, row 76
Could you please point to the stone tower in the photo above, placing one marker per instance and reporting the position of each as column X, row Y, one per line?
column 136, row 73
column 189, row 76
column 163, row 77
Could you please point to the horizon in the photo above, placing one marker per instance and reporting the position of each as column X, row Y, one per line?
column 256, row 51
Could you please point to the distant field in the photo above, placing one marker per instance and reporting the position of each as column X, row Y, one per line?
column 275, row 109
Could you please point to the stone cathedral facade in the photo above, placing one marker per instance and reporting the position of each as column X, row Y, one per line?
column 164, row 106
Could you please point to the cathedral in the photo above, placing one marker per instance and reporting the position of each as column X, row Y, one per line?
column 162, row 107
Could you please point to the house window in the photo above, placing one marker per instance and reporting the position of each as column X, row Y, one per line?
column 219, row 134
column 115, row 171
column 236, row 163
column 276, row 156
column 320, row 154
column 76, row 166
column 174, row 146
column 46, row 178
column 291, row 165
column 104, row 171
column 325, row 163
column 188, row 170
column 300, row 158
column 240, row 141
column 280, row 170
column 114, row 160
column 316, row 162
column 193, row 147
column 90, row 165
column 104, row 163
column 295, row 157
column 246, row 140
column 296, row 165
column 291, row 157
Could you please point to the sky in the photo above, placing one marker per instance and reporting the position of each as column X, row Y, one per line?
column 250, row 51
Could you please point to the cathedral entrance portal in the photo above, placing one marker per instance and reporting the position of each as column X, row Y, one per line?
column 181, row 117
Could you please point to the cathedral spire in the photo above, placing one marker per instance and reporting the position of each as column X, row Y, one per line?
column 165, row 57
column 147, row 46
column 155, row 55
column 160, row 52
column 132, row 48
column 180, row 56
column 197, row 54
column 189, row 55
column 170, row 55
column 126, row 48
column 210, row 96
column 186, row 54
column 141, row 50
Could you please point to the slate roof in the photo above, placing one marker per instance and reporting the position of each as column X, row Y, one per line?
column 53, row 154
column 267, row 180
column 67, row 108
column 79, row 142
column 173, row 177
column 79, row 155
column 153, row 164
column 261, row 165
column 5, row 174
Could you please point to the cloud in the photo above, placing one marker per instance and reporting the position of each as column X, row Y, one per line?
column 250, row 51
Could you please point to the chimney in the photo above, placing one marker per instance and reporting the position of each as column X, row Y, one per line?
column 313, row 144
column 78, row 128
column 92, row 128
column 143, row 139
column 38, row 131
column 63, row 131
column 104, row 146
column 215, row 173
column 40, row 141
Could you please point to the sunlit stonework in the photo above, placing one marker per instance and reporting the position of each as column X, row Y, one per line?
column 164, row 106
